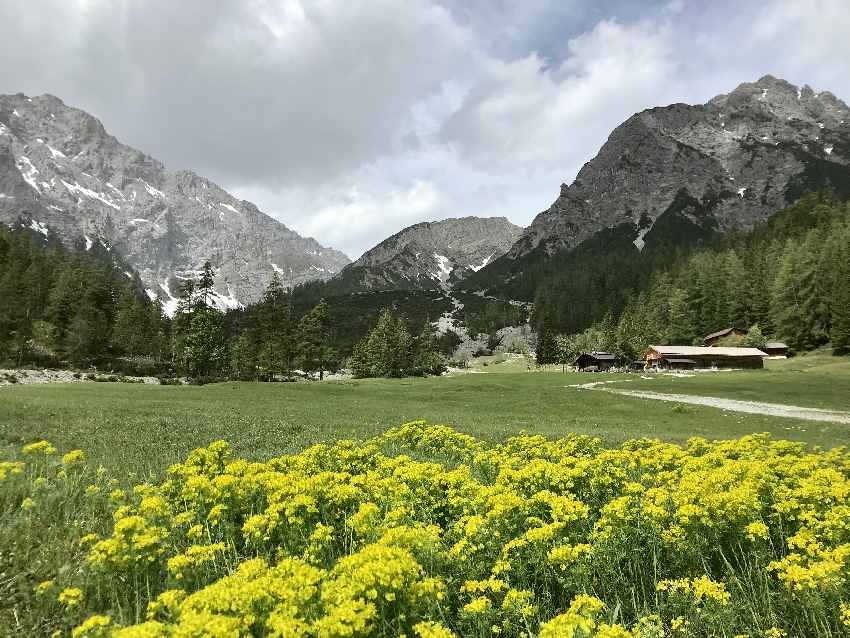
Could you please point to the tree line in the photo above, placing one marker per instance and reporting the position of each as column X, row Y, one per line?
column 787, row 280
column 84, row 307
column 73, row 305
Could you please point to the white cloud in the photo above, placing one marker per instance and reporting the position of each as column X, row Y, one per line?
column 526, row 116
column 350, row 217
column 349, row 120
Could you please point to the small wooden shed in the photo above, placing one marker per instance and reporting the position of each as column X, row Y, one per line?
column 595, row 361
column 776, row 349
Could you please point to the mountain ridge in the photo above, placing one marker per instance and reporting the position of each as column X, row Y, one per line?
column 747, row 153
column 431, row 254
column 62, row 172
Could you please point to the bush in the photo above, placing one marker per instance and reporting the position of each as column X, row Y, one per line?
column 425, row 531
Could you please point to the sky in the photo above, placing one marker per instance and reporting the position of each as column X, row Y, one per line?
column 348, row 121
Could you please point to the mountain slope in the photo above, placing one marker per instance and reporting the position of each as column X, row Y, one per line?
column 62, row 173
column 431, row 255
column 695, row 170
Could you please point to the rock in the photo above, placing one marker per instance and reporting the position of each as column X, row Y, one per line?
column 432, row 255
column 730, row 163
column 62, row 173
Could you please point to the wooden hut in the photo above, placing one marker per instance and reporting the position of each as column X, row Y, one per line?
column 776, row 349
column 714, row 337
column 680, row 364
column 593, row 361
column 672, row 357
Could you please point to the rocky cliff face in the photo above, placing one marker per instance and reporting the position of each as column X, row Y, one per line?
column 432, row 255
column 726, row 164
column 62, row 173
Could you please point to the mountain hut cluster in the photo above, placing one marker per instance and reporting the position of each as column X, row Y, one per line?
column 720, row 350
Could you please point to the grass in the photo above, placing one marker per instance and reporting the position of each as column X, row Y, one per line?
column 816, row 380
column 142, row 429
column 135, row 431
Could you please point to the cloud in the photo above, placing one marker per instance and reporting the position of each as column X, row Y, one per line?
column 351, row 217
column 349, row 120
column 526, row 116
column 261, row 91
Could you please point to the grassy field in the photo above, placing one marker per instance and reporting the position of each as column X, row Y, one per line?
column 141, row 428
column 52, row 508
column 817, row 380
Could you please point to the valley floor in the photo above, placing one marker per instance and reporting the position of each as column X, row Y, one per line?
column 144, row 428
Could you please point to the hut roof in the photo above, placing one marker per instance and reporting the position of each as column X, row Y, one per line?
column 775, row 344
column 598, row 356
column 706, row 351
column 723, row 333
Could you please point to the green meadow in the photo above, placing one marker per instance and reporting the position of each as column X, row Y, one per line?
column 142, row 429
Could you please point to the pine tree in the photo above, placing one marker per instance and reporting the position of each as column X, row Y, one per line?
column 680, row 329
column 737, row 287
column 278, row 348
column 314, row 340
column 204, row 351
column 130, row 333
column 786, row 303
column 244, row 356
column 427, row 357
column 206, row 284
column 840, row 297
column 385, row 351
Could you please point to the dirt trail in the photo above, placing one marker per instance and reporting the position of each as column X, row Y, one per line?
column 750, row 407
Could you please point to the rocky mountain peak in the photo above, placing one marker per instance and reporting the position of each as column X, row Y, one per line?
column 736, row 160
column 62, row 172
column 432, row 255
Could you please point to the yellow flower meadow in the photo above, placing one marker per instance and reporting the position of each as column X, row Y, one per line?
column 71, row 596
column 74, row 457
column 39, row 448
column 425, row 532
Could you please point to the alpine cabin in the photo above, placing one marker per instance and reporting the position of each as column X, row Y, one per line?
column 703, row 357
column 595, row 361
column 776, row 349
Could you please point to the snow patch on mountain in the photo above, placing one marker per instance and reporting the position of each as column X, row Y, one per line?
column 39, row 227
column 444, row 268
column 78, row 189
column 159, row 220
column 28, row 172
column 484, row 262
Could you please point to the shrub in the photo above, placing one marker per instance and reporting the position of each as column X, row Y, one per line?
column 425, row 531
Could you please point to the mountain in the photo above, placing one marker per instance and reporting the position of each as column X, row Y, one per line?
column 431, row 255
column 681, row 172
column 61, row 173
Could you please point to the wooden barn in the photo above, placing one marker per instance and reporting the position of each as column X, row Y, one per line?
column 714, row 337
column 776, row 349
column 704, row 357
column 593, row 361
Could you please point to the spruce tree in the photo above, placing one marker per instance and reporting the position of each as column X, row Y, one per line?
column 206, row 284
column 427, row 357
column 204, row 351
column 840, row 298
column 314, row 340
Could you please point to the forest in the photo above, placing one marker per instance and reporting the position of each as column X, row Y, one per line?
column 788, row 279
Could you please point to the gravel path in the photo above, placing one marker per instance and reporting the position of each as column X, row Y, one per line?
column 34, row 377
column 750, row 407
